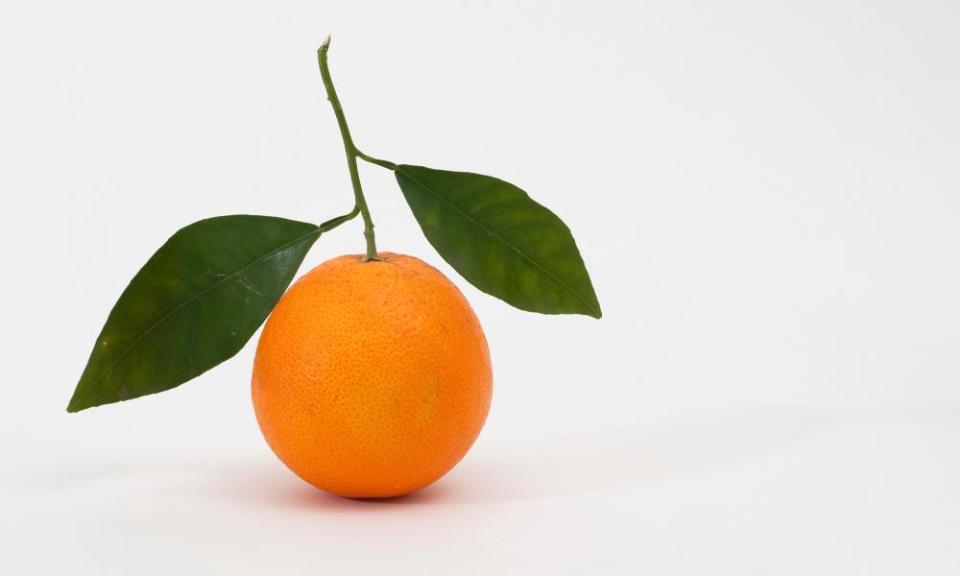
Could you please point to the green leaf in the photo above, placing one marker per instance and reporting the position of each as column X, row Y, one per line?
column 500, row 240
column 194, row 304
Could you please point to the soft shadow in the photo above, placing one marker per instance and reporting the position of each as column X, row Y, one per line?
column 577, row 465
column 283, row 489
column 621, row 460
column 617, row 460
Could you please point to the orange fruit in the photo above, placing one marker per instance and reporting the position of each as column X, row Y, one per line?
column 372, row 379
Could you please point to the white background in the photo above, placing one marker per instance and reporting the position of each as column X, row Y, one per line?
column 765, row 193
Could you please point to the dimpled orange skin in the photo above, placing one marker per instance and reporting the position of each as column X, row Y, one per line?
column 372, row 379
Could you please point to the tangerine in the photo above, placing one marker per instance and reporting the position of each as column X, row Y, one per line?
column 372, row 379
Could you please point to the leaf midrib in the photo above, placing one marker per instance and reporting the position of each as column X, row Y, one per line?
column 503, row 240
column 192, row 299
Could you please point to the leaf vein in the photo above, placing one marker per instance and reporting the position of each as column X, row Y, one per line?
column 223, row 278
column 503, row 240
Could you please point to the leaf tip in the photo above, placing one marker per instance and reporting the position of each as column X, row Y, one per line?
column 592, row 304
column 73, row 407
column 593, row 310
column 80, row 400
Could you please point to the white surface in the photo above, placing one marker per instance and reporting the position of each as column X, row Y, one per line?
column 766, row 195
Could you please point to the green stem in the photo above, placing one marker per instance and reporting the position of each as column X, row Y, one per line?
column 351, row 150
column 334, row 222
column 385, row 163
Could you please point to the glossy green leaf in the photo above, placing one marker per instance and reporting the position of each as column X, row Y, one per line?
column 500, row 240
column 194, row 304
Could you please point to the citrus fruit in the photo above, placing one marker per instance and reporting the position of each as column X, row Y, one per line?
column 372, row 378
